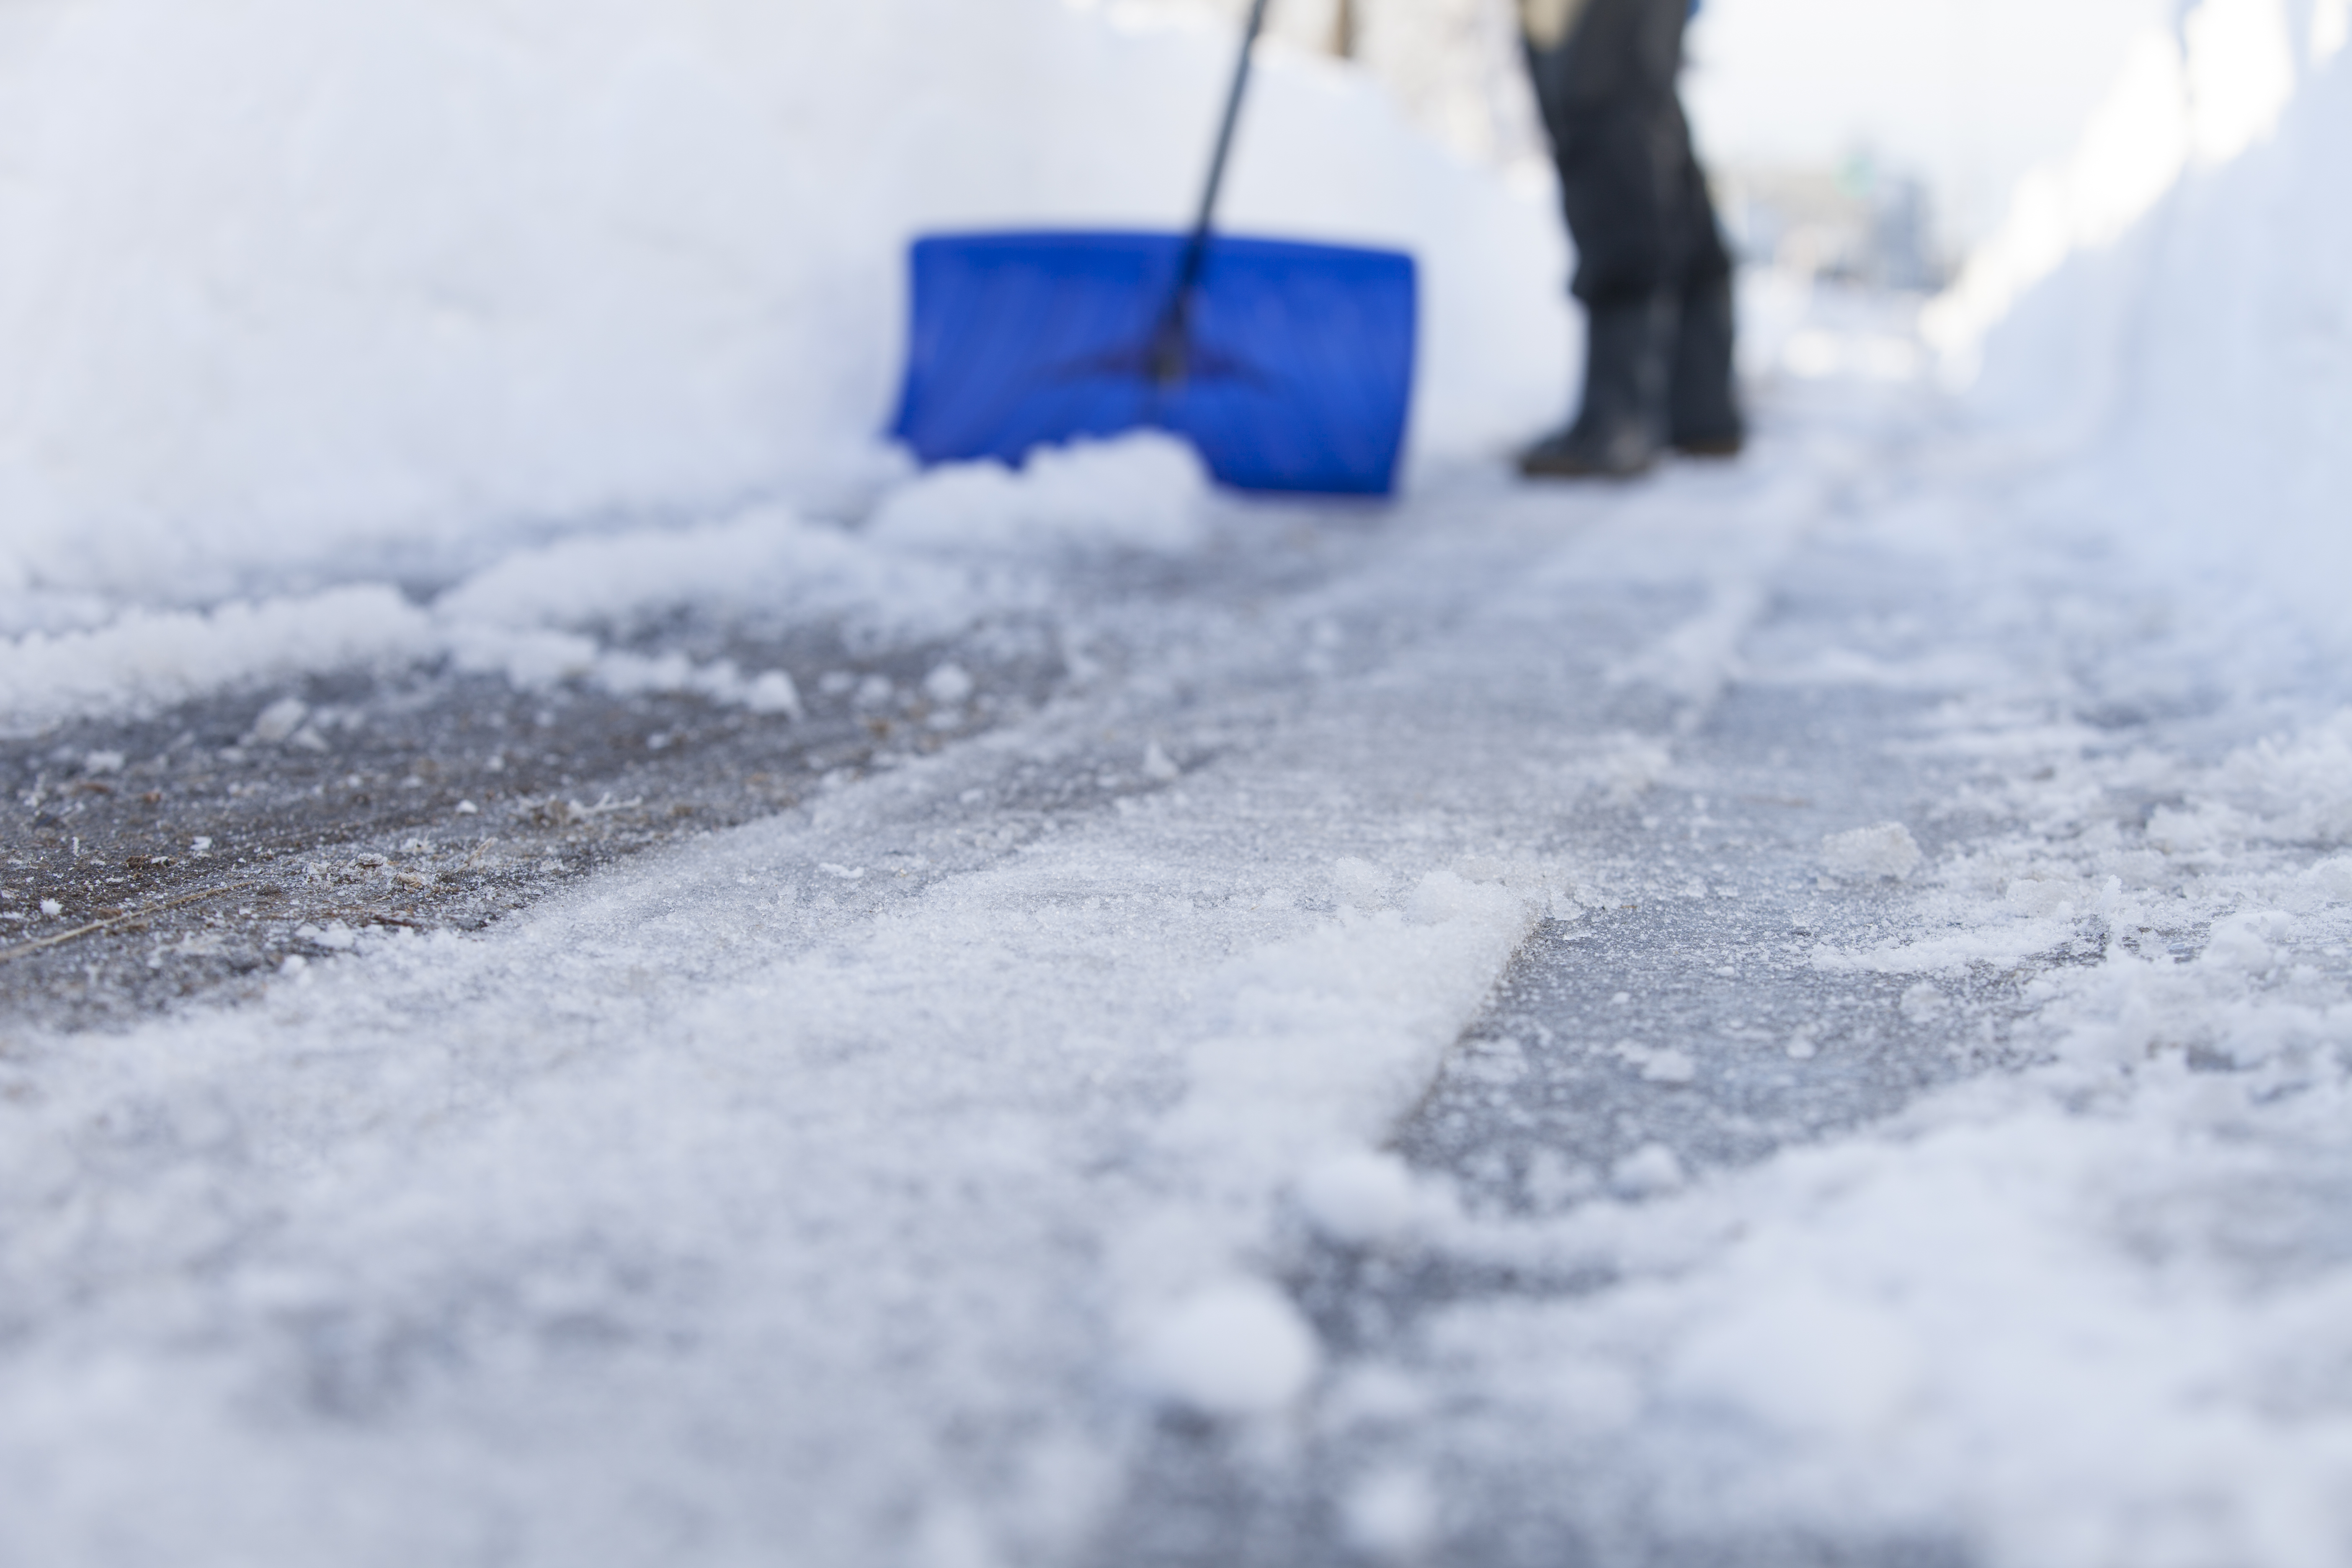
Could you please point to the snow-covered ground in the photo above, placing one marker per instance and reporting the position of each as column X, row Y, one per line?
column 1793, row 1010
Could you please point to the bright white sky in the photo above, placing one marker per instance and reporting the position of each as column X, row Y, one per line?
column 1970, row 93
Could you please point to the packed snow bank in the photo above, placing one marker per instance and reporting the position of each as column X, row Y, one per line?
column 2173, row 306
column 2192, row 97
column 290, row 290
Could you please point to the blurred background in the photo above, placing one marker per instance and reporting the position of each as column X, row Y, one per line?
column 1851, row 139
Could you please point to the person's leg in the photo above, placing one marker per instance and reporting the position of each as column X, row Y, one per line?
column 1621, row 422
column 1607, row 96
column 1702, row 404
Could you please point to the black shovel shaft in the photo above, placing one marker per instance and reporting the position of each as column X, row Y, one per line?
column 1169, row 346
column 1196, row 252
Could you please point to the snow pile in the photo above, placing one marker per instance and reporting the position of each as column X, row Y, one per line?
column 942, row 550
column 537, row 618
column 150, row 659
column 765, row 563
column 2192, row 295
column 2194, row 98
column 293, row 292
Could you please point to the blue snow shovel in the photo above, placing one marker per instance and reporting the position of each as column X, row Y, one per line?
column 1289, row 366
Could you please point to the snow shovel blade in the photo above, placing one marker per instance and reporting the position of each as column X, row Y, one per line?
column 1297, row 369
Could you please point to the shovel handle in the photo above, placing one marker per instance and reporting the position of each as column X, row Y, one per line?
column 1169, row 351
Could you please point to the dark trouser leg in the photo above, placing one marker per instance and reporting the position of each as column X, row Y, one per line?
column 1621, row 425
column 1637, row 208
column 1703, row 409
column 1702, row 406
column 1619, row 164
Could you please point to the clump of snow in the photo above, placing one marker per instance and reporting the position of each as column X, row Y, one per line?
column 279, row 721
column 950, row 684
column 1646, row 1172
column 1801, row 1360
column 1362, row 1199
column 1360, row 884
column 764, row 561
column 1670, row 1067
column 1870, row 854
column 148, row 659
column 1141, row 491
column 773, row 692
column 1236, row 1348
column 1391, row 1514
column 1924, row 1002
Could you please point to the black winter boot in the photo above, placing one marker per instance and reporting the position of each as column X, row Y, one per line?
column 1703, row 407
column 1622, row 426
